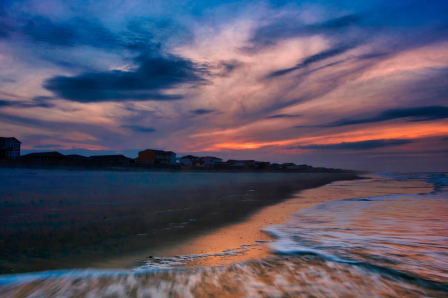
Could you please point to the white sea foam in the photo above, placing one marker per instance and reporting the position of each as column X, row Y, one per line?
column 382, row 246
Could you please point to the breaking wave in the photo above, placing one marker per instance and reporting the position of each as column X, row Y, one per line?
column 379, row 246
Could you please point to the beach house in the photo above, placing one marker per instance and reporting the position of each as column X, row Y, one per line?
column 231, row 162
column 276, row 166
column 262, row 164
column 190, row 160
column 290, row 166
column 154, row 157
column 210, row 161
column 9, row 148
column 52, row 156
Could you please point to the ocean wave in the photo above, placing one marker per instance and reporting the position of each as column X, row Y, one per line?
column 298, row 276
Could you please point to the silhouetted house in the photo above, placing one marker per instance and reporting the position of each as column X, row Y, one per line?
column 320, row 169
column 112, row 159
column 79, row 159
column 245, row 162
column 238, row 165
column 9, row 148
column 152, row 156
column 304, row 167
column 276, row 166
column 76, row 157
column 290, row 166
column 53, row 156
column 190, row 160
column 221, row 164
column 210, row 161
column 262, row 164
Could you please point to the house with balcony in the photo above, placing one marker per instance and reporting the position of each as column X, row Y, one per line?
column 9, row 148
column 276, row 166
column 249, row 163
column 290, row 166
column 210, row 161
column 154, row 157
column 262, row 164
column 190, row 160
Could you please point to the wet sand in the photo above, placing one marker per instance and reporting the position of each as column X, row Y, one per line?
column 55, row 219
column 257, row 273
column 235, row 236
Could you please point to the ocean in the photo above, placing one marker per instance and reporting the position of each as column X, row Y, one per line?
column 385, row 244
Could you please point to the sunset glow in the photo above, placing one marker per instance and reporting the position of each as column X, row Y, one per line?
column 246, row 80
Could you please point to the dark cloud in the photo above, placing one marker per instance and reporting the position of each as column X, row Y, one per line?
column 25, row 104
column 155, row 74
column 201, row 111
column 138, row 128
column 335, row 51
column 412, row 115
column 41, row 29
column 363, row 145
column 292, row 27
column 72, row 32
column 283, row 116
column 159, row 30
column 47, row 146
column 141, row 34
column 229, row 66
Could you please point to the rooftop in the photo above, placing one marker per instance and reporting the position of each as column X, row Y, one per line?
column 8, row 138
column 41, row 154
column 109, row 156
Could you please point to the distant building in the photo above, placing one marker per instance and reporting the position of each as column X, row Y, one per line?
column 112, row 159
column 221, row 164
column 152, row 156
column 52, row 156
column 9, row 148
column 262, row 164
column 77, row 157
column 245, row 162
column 304, row 167
column 210, row 161
column 238, row 165
column 290, row 166
column 276, row 166
column 190, row 160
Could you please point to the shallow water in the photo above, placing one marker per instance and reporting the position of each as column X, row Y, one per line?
column 61, row 219
column 378, row 245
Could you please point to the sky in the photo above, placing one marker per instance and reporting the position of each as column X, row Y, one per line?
column 345, row 84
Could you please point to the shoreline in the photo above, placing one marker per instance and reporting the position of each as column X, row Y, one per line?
column 161, row 168
column 247, row 237
column 212, row 201
column 245, row 231
column 257, row 268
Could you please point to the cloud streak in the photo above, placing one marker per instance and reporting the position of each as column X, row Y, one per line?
column 290, row 27
column 410, row 114
column 283, row 116
column 332, row 52
column 139, row 128
column 362, row 145
column 202, row 111
column 26, row 104
column 49, row 146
